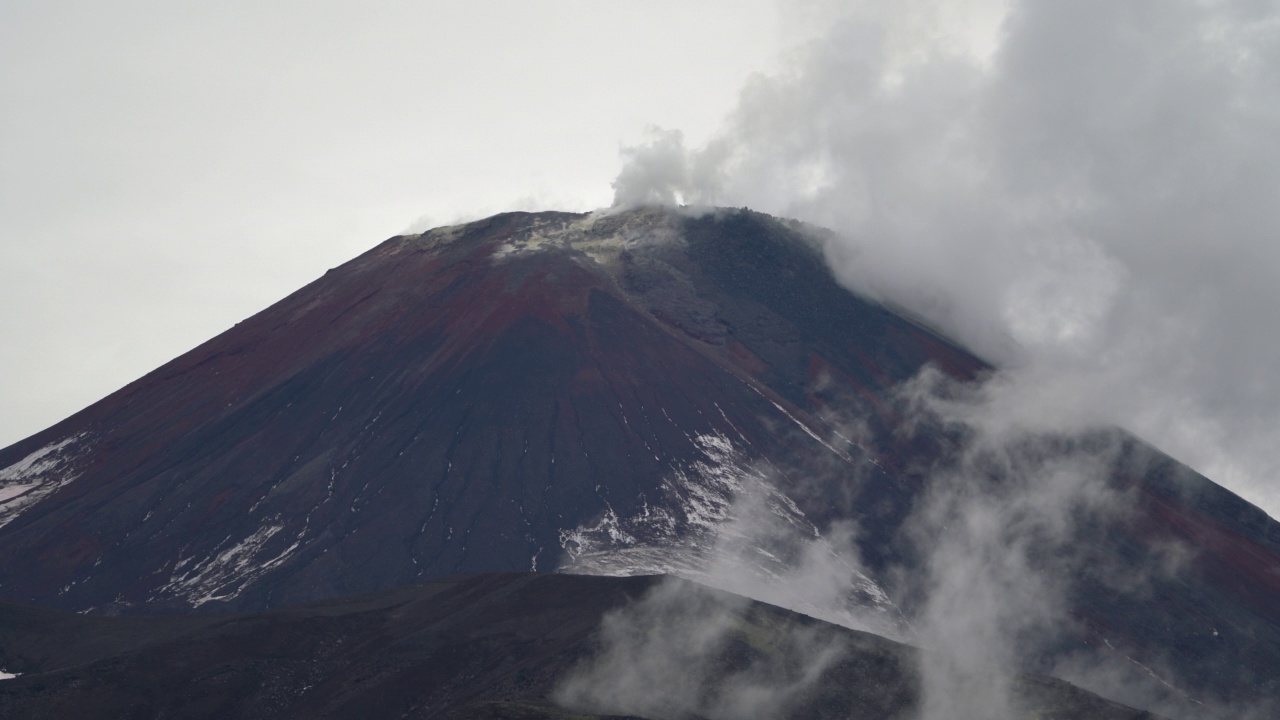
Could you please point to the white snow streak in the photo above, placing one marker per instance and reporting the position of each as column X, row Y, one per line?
column 226, row 574
column 38, row 475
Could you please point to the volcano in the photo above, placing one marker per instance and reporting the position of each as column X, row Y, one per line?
column 588, row 393
column 490, row 397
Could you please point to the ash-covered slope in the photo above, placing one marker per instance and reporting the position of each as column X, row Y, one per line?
column 482, row 397
column 608, row 393
column 492, row 646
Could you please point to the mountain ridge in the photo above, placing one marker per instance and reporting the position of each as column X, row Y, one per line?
column 244, row 364
column 368, row 655
column 637, row 392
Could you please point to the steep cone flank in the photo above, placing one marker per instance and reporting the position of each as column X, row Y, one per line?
column 448, row 403
column 542, row 391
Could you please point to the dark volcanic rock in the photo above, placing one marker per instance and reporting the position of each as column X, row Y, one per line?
column 452, row 402
column 474, row 647
column 535, row 391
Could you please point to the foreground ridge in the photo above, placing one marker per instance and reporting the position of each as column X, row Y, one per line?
column 486, row 646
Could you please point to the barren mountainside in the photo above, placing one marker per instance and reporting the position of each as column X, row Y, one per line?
column 477, row 398
column 490, row 646
column 600, row 393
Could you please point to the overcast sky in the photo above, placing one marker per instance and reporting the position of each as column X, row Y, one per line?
column 169, row 168
column 1083, row 190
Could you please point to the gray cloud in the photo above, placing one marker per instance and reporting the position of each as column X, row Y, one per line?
column 1081, row 191
column 999, row 543
column 759, row 554
column 662, row 657
column 998, row 532
column 992, row 570
column 1005, row 535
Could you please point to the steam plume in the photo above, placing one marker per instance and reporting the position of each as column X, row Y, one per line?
column 1081, row 191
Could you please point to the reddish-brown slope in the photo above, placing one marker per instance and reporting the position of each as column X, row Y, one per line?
column 429, row 408
column 422, row 410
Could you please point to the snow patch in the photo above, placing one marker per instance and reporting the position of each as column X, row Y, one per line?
column 227, row 573
column 608, row 530
column 39, row 475
column 698, row 499
column 8, row 493
column 695, row 532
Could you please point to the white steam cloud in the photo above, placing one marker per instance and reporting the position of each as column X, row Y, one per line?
column 663, row 657
column 1006, row 533
column 1003, row 535
column 998, row 532
column 1083, row 191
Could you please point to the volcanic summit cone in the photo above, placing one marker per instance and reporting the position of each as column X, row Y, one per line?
column 586, row 392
